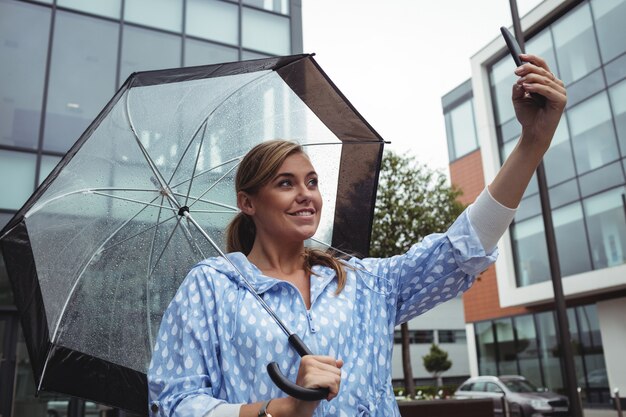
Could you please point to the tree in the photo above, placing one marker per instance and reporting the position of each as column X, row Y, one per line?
column 412, row 202
column 437, row 362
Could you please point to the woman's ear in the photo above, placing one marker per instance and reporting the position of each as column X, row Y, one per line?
column 245, row 204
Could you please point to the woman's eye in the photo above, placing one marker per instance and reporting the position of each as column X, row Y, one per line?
column 284, row 183
column 313, row 182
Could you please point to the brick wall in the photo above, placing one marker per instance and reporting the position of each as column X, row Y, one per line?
column 481, row 301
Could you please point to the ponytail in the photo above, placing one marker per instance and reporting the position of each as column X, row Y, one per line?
column 240, row 234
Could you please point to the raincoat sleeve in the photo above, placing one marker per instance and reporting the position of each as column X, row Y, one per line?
column 184, row 378
column 432, row 271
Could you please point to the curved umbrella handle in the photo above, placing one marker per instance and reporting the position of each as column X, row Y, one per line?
column 288, row 387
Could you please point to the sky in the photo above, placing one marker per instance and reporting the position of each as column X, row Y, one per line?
column 395, row 59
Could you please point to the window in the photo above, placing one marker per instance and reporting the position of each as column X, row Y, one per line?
column 607, row 228
column 23, row 43
column 451, row 336
column 491, row 387
column 507, row 351
column 531, row 253
column 502, row 79
column 162, row 14
column 205, row 53
column 575, row 43
column 415, row 336
column 486, row 349
column 145, row 49
column 47, row 165
column 618, row 102
column 571, row 240
column 109, row 8
column 213, row 20
column 82, row 76
column 17, row 178
column 278, row 6
column 461, row 130
column 559, row 161
column 265, row 32
column 609, row 23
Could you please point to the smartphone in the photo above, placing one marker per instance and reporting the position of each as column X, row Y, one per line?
column 515, row 52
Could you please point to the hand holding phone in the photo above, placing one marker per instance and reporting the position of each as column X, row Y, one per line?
column 515, row 52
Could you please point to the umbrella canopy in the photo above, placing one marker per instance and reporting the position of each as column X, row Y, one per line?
column 98, row 251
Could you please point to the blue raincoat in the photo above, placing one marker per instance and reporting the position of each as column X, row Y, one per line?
column 215, row 340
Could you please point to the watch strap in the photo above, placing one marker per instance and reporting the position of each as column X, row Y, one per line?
column 263, row 411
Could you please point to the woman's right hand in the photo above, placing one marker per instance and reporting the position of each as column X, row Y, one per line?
column 317, row 371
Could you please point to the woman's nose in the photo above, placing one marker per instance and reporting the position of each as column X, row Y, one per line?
column 304, row 193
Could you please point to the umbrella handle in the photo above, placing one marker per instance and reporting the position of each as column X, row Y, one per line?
column 288, row 387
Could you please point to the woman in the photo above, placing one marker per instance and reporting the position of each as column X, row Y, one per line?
column 215, row 340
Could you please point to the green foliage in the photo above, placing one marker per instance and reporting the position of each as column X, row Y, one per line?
column 436, row 361
column 413, row 201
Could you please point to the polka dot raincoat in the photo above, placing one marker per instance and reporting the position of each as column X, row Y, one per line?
column 215, row 340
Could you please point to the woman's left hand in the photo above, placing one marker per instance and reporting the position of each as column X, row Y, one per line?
column 539, row 122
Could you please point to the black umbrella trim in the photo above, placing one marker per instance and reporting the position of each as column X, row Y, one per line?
column 88, row 377
column 20, row 264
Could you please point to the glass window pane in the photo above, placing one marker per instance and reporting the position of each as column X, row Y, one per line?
column 542, row 45
column 549, row 351
column 592, row 132
column 607, row 228
column 618, row 102
column 609, row 17
column 4, row 219
column 245, row 55
column 108, row 8
column 502, row 79
column 82, row 76
column 559, row 161
column 17, row 178
column 463, row 129
column 585, row 87
column 47, row 165
column 24, row 32
column 601, row 179
column 575, row 43
column 6, row 293
column 527, row 349
column 531, row 253
column 214, row 20
column 145, row 49
column 265, row 32
column 162, row 14
column 571, row 240
column 507, row 364
column 486, row 348
column 564, row 193
column 205, row 53
column 528, row 207
column 278, row 6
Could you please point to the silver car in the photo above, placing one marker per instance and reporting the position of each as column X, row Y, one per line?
column 523, row 398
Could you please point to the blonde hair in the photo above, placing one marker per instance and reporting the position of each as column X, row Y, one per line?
column 256, row 169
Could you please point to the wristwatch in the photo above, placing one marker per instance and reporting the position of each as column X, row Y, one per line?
column 263, row 411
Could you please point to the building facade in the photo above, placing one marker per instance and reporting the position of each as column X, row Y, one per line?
column 60, row 62
column 509, row 313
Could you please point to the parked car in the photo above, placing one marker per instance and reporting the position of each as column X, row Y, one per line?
column 522, row 397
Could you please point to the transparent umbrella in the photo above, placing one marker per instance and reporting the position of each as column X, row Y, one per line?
column 98, row 251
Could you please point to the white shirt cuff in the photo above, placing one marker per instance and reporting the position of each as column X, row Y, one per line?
column 490, row 219
column 225, row 410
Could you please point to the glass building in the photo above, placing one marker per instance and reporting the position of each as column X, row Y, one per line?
column 584, row 42
column 60, row 62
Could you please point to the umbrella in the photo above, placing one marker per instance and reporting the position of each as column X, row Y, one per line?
column 98, row 251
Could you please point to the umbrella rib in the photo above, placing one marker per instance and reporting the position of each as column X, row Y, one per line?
column 238, row 158
column 145, row 154
column 214, row 184
column 216, row 203
column 132, row 200
column 192, row 240
column 151, row 252
column 195, row 165
column 164, row 247
column 180, row 160
column 215, row 211
column 138, row 233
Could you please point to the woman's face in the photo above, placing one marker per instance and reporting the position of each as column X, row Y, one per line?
column 290, row 205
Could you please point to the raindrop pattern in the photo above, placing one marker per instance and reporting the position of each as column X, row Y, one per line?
column 215, row 340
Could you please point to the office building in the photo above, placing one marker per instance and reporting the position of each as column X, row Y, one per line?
column 509, row 313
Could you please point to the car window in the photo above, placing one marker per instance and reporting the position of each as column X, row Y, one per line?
column 491, row 387
column 520, row 385
column 466, row 387
column 479, row 386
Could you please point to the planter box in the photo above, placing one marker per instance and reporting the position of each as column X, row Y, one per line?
column 447, row 408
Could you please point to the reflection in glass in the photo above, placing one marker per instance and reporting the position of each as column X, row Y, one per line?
column 571, row 240
column 618, row 102
column 213, row 20
column 575, row 43
column 502, row 78
column 82, row 76
column 145, row 49
column 592, row 132
column 265, row 32
column 558, row 161
column 162, row 14
column 609, row 19
column 486, row 348
column 23, row 42
column 17, row 178
column 549, row 351
column 531, row 253
column 47, row 165
column 607, row 228
column 109, row 8
column 564, row 193
column 463, row 129
column 527, row 348
column 278, row 6
column 507, row 351
column 601, row 179
column 205, row 53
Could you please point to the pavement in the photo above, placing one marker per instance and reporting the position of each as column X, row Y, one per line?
column 599, row 413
